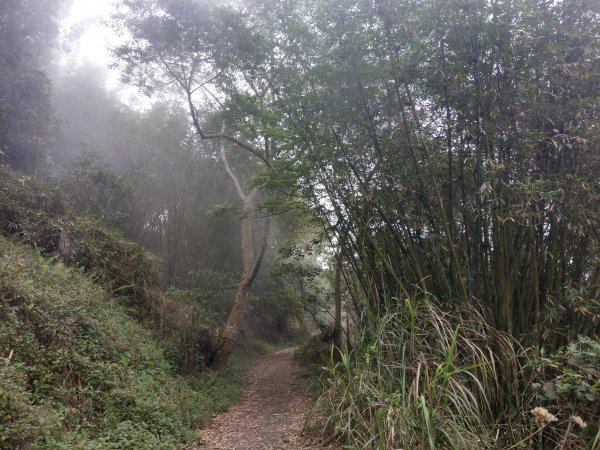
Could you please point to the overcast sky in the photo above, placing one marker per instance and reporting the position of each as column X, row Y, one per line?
column 87, row 36
column 87, row 23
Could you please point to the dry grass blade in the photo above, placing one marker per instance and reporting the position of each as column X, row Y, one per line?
column 424, row 379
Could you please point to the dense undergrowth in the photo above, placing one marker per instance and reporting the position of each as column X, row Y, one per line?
column 422, row 378
column 40, row 215
column 185, row 318
column 92, row 352
column 566, row 384
column 78, row 372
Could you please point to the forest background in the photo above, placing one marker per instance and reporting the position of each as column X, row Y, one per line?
column 433, row 164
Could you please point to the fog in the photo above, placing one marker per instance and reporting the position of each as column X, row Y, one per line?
column 127, row 158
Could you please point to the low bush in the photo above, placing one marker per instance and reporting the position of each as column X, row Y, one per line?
column 564, row 397
column 315, row 351
column 76, row 371
column 189, row 327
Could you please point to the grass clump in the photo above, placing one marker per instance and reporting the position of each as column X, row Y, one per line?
column 422, row 379
column 76, row 371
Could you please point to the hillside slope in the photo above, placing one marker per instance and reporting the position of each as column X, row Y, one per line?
column 76, row 371
column 89, row 343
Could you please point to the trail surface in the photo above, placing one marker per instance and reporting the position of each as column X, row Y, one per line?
column 271, row 414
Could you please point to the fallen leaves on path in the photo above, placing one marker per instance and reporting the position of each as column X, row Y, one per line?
column 271, row 414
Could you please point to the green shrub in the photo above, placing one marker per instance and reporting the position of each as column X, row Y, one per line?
column 77, row 372
column 566, row 385
column 192, row 315
column 39, row 215
column 315, row 351
column 275, row 314
column 93, row 188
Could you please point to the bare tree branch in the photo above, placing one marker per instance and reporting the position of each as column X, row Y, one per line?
column 234, row 179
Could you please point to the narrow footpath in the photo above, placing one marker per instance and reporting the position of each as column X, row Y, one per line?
column 271, row 414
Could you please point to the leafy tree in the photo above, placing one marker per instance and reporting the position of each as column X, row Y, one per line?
column 27, row 126
column 450, row 147
column 192, row 46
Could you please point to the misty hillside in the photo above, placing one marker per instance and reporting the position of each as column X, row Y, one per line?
column 81, row 373
column 300, row 224
column 84, row 367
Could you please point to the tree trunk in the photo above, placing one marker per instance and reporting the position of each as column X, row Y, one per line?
column 251, row 266
column 337, row 294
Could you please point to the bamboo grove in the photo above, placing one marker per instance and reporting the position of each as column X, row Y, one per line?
column 453, row 148
column 449, row 147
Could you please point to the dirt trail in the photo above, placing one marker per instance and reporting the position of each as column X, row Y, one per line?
column 271, row 414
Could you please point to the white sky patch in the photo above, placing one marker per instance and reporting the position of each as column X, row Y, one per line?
column 85, row 9
column 87, row 36
column 87, row 33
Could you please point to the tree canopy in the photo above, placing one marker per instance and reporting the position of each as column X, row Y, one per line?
column 27, row 122
column 447, row 146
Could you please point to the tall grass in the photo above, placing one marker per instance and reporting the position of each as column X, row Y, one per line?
column 423, row 379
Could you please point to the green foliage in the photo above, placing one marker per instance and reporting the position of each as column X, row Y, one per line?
column 225, row 209
column 192, row 316
column 276, row 315
column 307, row 280
column 449, row 146
column 149, row 176
column 76, row 371
column 315, row 352
column 567, row 385
column 27, row 125
column 202, row 303
column 93, row 189
column 40, row 216
column 186, row 318
column 195, row 311
column 423, row 378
